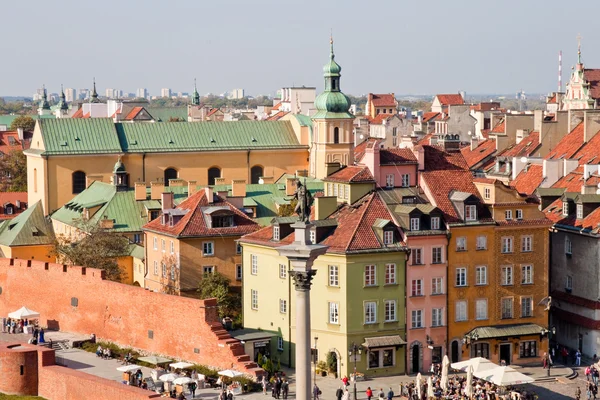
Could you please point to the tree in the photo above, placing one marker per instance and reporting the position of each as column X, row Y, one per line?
column 216, row 286
column 23, row 121
column 93, row 247
column 13, row 171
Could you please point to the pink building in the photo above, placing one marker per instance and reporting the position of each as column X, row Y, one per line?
column 391, row 167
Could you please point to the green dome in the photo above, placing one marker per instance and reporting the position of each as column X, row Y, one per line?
column 332, row 68
column 119, row 167
column 336, row 102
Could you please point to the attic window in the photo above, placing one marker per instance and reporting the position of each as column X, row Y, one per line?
column 222, row 221
column 77, row 138
column 254, row 140
column 212, row 140
column 9, row 210
column 63, row 143
column 35, row 231
column 565, row 210
column 171, row 141
column 414, row 224
column 470, row 213
column 133, row 142
column 579, row 211
column 388, row 237
column 276, row 233
column 409, row 200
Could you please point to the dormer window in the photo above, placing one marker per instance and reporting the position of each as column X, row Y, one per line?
column 508, row 215
column 313, row 237
column 579, row 211
column 276, row 233
column 470, row 213
column 388, row 237
column 414, row 224
column 9, row 209
column 487, row 193
column 222, row 221
column 565, row 208
column 435, row 223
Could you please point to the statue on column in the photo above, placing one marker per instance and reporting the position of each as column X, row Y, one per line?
column 305, row 201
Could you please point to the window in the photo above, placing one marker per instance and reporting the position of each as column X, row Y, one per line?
column 256, row 173
column 213, row 173
column 394, row 130
column 329, row 189
column 528, row 349
column 335, row 189
column 481, row 242
column 461, row 244
column 172, row 272
column 405, row 180
column 487, row 193
column 471, row 213
column 480, row 350
column 507, row 307
column 435, row 223
column 569, row 283
column 526, row 307
column 336, row 130
column 416, row 319
column 481, row 308
column 461, row 310
column 312, row 236
column 390, row 311
column 508, row 215
column 222, row 221
column 526, row 274
column 208, row 270
column 282, row 271
column 381, row 358
column 254, row 262
column 163, row 245
column 238, row 272
column 370, row 312
column 507, row 275
column 334, row 275
column 436, row 255
column 164, row 270
column 172, row 247
column 334, row 313
column 282, row 306
column 526, row 242
column 461, row 277
column 568, row 246
column 208, row 248
column 437, row 317
column 155, row 241
column 565, row 208
column 481, row 275
column 275, row 233
column 374, row 357
column 579, row 211
column 370, row 275
column 9, row 210
column 254, row 299
column 156, row 268
column 79, row 182
column 390, row 274
column 507, row 244
column 417, row 256
column 388, row 237
column 389, row 180
column 417, row 287
column 279, row 343
column 170, row 173
column 238, row 248
column 437, row 285
column 346, row 192
column 414, row 224
column 519, row 213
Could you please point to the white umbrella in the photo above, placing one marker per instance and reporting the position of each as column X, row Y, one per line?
column 24, row 313
column 478, row 364
column 430, row 393
column 230, row 373
column 184, row 380
column 504, row 376
column 469, row 387
column 418, row 384
column 445, row 365
column 168, row 377
column 126, row 368
column 181, row 365
column 154, row 360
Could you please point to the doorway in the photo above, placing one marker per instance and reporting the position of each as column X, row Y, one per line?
column 415, row 358
column 505, row 353
column 580, row 342
column 454, row 351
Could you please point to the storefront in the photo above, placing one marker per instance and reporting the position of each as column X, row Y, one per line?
column 255, row 342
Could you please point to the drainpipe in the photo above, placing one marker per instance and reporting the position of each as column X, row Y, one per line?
column 248, row 166
column 289, row 309
column 144, row 167
column 448, row 235
column 406, row 256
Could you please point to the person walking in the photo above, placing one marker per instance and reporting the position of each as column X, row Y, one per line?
column 369, row 393
column 381, row 394
column 390, row 394
column 316, row 392
column 339, row 393
column 285, row 389
column 565, row 354
column 578, row 358
column 545, row 360
column 346, row 395
column 277, row 387
column 193, row 386
column 264, row 385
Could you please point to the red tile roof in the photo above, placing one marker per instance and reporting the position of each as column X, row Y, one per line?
column 213, row 111
column 12, row 198
column 78, row 114
column 397, row 157
column 590, row 222
column 592, row 76
column 426, row 140
column 486, row 106
column 529, row 179
column 450, row 99
column 382, row 100
column 193, row 223
column 431, row 116
column 278, row 116
column 568, row 145
column 133, row 113
column 552, row 100
column 525, row 148
column 499, row 128
column 359, row 150
column 484, row 150
column 276, row 106
column 351, row 174
column 590, row 152
column 7, row 145
column 379, row 118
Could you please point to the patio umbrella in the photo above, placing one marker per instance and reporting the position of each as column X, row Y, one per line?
column 445, row 365
column 24, row 313
column 478, row 363
column 230, row 373
column 168, row 377
column 430, row 393
column 504, row 376
column 184, row 380
column 181, row 365
column 154, row 360
column 126, row 368
column 469, row 387
column 418, row 384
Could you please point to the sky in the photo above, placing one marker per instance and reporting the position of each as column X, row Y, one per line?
column 405, row 47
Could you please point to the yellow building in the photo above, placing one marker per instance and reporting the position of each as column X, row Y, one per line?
column 28, row 236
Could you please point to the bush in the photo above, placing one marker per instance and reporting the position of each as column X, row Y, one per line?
column 206, row 371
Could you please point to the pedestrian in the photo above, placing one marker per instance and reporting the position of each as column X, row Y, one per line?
column 588, row 373
column 565, row 355
column 193, row 386
column 390, row 394
column 285, row 389
column 369, row 393
column 277, row 387
column 345, row 381
column 381, row 394
column 339, row 393
column 264, row 384
column 346, row 395
column 578, row 358
column 316, row 392
column 595, row 375
column 545, row 360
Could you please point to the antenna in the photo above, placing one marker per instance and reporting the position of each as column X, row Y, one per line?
column 560, row 71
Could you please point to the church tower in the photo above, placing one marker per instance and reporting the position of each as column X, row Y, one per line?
column 44, row 107
column 332, row 123
column 195, row 111
column 62, row 110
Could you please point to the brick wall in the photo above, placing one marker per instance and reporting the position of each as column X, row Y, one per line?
column 76, row 299
column 18, row 369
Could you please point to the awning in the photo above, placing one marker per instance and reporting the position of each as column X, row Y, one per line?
column 501, row 331
column 249, row 334
column 383, row 341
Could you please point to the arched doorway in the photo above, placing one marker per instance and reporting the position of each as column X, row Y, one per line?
column 170, row 173
column 416, row 353
column 256, row 173
column 333, row 361
column 213, row 173
column 454, row 351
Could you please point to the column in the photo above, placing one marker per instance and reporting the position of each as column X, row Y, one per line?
column 302, row 282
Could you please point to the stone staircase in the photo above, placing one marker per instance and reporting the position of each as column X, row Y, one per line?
column 236, row 348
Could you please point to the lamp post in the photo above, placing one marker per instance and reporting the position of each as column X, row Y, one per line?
column 547, row 332
column 352, row 352
column 315, row 362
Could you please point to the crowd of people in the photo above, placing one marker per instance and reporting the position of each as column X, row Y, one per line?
column 280, row 386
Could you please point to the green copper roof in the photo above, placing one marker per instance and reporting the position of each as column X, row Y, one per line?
column 332, row 103
column 8, row 119
column 331, row 68
column 29, row 228
column 163, row 114
column 137, row 251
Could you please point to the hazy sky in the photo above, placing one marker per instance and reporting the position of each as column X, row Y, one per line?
column 396, row 46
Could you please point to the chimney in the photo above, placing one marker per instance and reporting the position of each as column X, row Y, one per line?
column 140, row 190
column 238, row 188
column 325, row 206
column 589, row 169
column 419, row 153
column 588, row 189
column 575, row 117
column 176, row 182
column 18, row 204
column 372, row 157
column 156, row 189
column 219, row 181
column 302, row 172
column 167, row 201
column 210, row 197
column 332, row 167
column 474, row 143
column 290, row 186
column 591, row 124
column 106, row 223
column 267, row 179
column 569, row 165
column 538, row 119
column 551, row 172
column 21, row 134
column 192, row 188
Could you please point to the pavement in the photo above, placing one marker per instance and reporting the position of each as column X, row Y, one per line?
column 559, row 387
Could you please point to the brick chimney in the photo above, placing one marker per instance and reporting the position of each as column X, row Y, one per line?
column 238, row 188
column 176, row 182
column 219, row 181
column 210, row 197
column 140, row 190
column 419, row 153
column 591, row 124
column 192, row 188
column 290, row 186
column 167, row 200
column 156, row 189
column 372, row 158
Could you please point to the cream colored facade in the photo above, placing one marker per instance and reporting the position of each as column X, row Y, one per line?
column 333, row 142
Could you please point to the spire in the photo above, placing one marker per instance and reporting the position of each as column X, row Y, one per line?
column 331, row 54
column 94, row 98
column 579, row 48
column 195, row 95
column 62, row 105
column 44, row 105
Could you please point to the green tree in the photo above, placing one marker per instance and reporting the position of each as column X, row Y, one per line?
column 13, row 171
column 216, row 286
column 93, row 247
column 23, row 121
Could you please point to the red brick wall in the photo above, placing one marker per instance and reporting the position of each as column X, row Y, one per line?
column 12, row 357
column 121, row 313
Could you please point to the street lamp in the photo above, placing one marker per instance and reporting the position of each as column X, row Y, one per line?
column 547, row 332
column 315, row 373
column 352, row 352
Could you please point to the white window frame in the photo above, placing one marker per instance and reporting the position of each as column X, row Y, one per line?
column 569, row 283
column 239, row 272
column 156, row 268
column 568, row 246
column 334, row 275
column 155, row 243
column 254, row 264
column 526, row 300
column 282, row 306
column 210, row 246
column 437, row 317
column 405, row 180
column 279, row 343
column 435, row 223
column 519, row 214
column 508, row 215
column 503, row 302
column 416, row 288
column 507, row 275
column 487, row 193
column 437, row 258
column 414, row 224
column 481, row 309
column 335, row 189
column 172, row 246
column 390, row 314
column 390, row 274
column 254, row 299
column 238, row 248
column 416, row 256
column 579, row 211
column 163, row 245
column 334, row 312
column 507, row 245
column 164, row 269
column 526, row 243
column 388, row 237
column 276, row 233
column 208, row 269
column 470, row 212
column 370, row 277
column 283, row 271
column 565, row 208
column 312, row 236
column 346, row 192
column 461, row 310
column 370, row 312
column 461, row 240
column 416, row 319
column 481, row 275
column 481, row 242
column 389, row 180
column 461, row 277
column 437, row 285
column 526, row 274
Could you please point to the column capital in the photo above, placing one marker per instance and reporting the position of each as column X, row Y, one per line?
column 302, row 279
